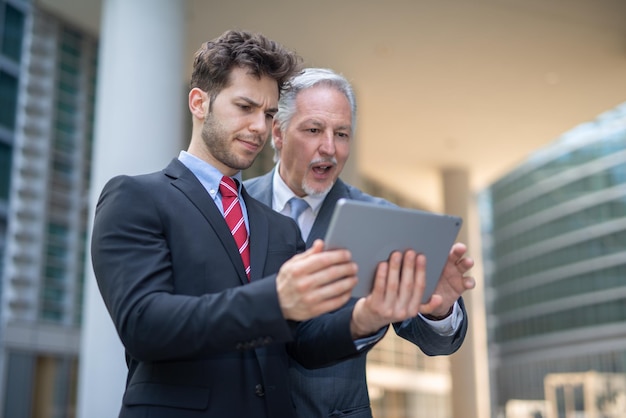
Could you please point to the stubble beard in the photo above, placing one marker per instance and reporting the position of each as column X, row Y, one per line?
column 217, row 139
column 310, row 191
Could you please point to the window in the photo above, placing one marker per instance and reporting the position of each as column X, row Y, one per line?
column 12, row 33
column 8, row 100
column 6, row 153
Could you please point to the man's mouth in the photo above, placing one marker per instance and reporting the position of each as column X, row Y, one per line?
column 251, row 142
column 322, row 168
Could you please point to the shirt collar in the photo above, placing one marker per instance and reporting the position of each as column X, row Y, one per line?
column 208, row 175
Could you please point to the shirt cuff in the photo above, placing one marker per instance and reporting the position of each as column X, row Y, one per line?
column 365, row 342
column 448, row 326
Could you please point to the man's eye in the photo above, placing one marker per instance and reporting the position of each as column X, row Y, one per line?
column 244, row 107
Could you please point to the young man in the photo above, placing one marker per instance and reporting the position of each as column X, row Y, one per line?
column 207, row 286
column 311, row 134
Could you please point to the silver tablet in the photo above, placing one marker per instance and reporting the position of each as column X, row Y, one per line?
column 372, row 232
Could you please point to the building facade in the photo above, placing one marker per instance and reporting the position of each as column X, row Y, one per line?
column 555, row 239
column 47, row 87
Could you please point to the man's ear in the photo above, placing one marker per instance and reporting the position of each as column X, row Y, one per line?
column 198, row 103
column 277, row 135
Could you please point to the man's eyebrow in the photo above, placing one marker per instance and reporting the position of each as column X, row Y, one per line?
column 320, row 124
column 256, row 104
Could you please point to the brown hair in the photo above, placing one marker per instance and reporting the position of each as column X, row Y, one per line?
column 261, row 56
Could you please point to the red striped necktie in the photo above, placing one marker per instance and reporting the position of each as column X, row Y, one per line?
column 234, row 220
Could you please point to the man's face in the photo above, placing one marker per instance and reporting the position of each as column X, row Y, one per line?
column 235, row 130
column 316, row 144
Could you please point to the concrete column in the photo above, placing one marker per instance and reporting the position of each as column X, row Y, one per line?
column 469, row 368
column 140, row 111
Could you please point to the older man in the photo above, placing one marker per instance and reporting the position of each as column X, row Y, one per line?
column 311, row 134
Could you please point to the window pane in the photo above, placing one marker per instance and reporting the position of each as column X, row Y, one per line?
column 13, row 33
column 8, row 100
column 6, row 153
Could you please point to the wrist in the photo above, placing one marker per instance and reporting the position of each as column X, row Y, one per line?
column 433, row 317
column 355, row 330
column 358, row 328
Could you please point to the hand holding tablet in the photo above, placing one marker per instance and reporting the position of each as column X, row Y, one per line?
column 372, row 232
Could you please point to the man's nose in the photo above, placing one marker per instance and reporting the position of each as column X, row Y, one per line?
column 327, row 146
column 260, row 123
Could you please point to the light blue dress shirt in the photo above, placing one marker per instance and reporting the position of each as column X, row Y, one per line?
column 210, row 178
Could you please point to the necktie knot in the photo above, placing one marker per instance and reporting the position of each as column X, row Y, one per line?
column 228, row 187
column 297, row 207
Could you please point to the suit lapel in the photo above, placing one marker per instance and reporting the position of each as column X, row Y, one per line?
column 184, row 180
column 259, row 235
column 318, row 230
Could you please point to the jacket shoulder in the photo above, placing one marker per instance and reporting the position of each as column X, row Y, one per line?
column 256, row 185
column 354, row 193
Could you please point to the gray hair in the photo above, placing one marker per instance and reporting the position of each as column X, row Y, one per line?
column 308, row 78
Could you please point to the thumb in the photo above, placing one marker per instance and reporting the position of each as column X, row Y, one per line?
column 432, row 304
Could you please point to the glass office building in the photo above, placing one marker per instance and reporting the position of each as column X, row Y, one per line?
column 47, row 85
column 555, row 254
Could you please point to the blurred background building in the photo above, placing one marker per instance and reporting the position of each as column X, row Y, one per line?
column 555, row 265
column 47, row 86
column 589, row 394
column 451, row 95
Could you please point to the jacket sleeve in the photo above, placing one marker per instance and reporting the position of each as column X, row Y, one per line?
column 134, row 235
column 326, row 340
column 428, row 340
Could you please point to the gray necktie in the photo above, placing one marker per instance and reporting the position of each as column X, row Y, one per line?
column 297, row 207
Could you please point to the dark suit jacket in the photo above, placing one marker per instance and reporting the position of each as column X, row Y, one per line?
column 341, row 389
column 200, row 340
